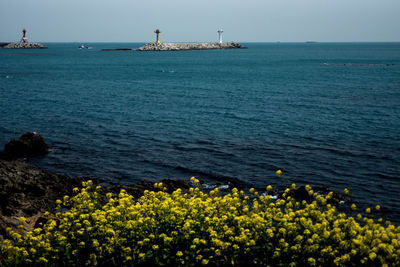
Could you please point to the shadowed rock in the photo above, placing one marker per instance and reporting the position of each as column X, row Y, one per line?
column 30, row 144
column 27, row 191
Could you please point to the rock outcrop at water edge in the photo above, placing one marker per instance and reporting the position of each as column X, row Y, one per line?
column 30, row 144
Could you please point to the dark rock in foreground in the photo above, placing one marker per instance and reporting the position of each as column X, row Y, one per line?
column 24, row 46
column 29, row 192
column 188, row 46
column 30, row 144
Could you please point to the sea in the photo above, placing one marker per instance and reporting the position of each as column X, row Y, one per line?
column 326, row 114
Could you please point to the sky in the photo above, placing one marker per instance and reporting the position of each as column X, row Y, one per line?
column 198, row 21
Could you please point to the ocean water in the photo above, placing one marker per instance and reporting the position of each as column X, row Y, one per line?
column 327, row 114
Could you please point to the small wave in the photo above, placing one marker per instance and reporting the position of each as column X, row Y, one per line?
column 231, row 181
column 213, row 186
column 216, row 150
column 360, row 64
column 168, row 71
column 12, row 74
column 273, row 197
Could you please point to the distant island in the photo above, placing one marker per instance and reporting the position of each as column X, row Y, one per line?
column 188, row 46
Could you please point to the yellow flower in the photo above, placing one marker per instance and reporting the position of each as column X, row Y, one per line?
column 43, row 259
column 346, row 191
column 311, row 261
column 95, row 243
column 179, row 254
column 278, row 173
column 204, row 261
column 22, row 219
column 372, row 255
column 368, row 210
column 207, row 227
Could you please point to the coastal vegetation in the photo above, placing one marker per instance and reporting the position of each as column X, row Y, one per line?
column 197, row 227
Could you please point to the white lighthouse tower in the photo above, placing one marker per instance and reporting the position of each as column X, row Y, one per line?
column 220, row 36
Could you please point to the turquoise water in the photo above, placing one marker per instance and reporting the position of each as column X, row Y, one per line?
column 327, row 114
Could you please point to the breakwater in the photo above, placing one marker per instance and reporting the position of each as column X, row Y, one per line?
column 188, row 46
column 23, row 46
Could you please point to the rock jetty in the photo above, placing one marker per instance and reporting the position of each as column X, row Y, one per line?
column 116, row 49
column 23, row 46
column 188, row 46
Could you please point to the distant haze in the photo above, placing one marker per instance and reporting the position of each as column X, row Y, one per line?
column 191, row 21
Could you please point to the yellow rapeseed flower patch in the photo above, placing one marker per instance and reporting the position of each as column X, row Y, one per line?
column 197, row 228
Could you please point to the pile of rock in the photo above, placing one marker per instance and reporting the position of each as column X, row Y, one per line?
column 24, row 46
column 188, row 46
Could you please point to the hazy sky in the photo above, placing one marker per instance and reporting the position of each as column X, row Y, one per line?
column 189, row 20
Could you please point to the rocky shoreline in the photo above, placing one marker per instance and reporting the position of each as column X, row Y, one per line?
column 23, row 46
column 188, row 46
column 26, row 191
